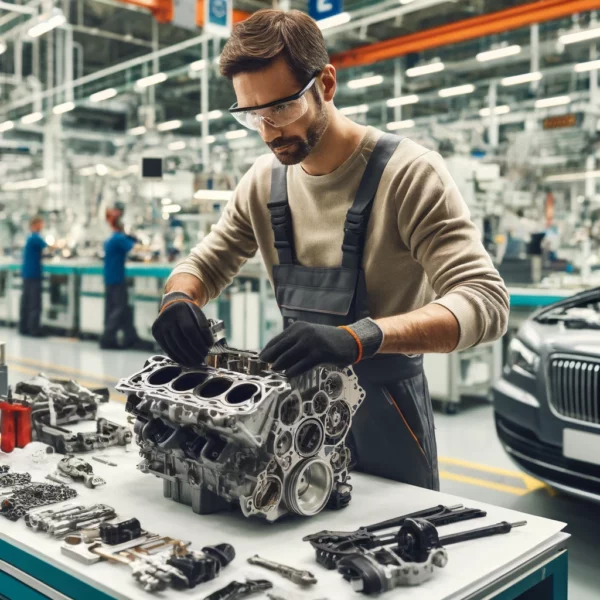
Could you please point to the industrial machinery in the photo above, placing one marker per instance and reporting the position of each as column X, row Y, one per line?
column 235, row 432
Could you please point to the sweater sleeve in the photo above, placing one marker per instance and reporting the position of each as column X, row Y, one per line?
column 435, row 224
column 230, row 243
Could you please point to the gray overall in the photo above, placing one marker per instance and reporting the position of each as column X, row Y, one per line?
column 392, row 434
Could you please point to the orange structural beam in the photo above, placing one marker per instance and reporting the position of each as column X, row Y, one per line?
column 461, row 31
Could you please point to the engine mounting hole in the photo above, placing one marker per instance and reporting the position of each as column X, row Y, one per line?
column 268, row 494
column 289, row 411
column 320, row 403
column 283, row 443
column 334, row 385
column 337, row 420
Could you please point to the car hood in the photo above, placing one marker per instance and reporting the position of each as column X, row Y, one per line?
column 551, row 338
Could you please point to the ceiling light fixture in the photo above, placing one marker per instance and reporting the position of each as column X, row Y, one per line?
column 47, row 24
column 355, row 110
column 569, row 177
column 103, row 95
column 403, row 100
column 3, row 47
column 236, row 134
column 27, row 184
column 394, row 125
column 499, row 110
column 85, row 171
column 210, row 139
column 213, row 195
column 172, row 208
column 166, row 201
column 519, row 79
column 198, row 65
column 435, row 67
column 169, row 125
column 213, row 114
column 60, row 109
column 356, row 84
column 339, row 19
column 592, row 65
column 141, row 130
column 32, row 118
column 177, row 145
column 579, row 36
column 145, row 82
column 549, row 102
column 101, row 170
column 498, row 53
column 457, row 91
column 6, row 126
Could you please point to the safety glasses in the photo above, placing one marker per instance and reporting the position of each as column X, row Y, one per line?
column 277, row 114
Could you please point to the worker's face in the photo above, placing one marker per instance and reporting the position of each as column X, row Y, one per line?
column 38, row 226
column 293, row 142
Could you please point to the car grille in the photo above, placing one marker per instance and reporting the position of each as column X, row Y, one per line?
column 575, row 388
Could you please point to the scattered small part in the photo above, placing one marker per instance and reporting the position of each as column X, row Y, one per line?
column 224, row 553
column 69, row 519
column 78, row 469
column 236, row 590
column 294, row 575
column 104, row 461
column 12, row 479
column 33, row 495
column 16, row 423
column 58, row 478
column 119, row 533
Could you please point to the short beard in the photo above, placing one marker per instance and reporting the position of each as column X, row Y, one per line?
column 303, row 147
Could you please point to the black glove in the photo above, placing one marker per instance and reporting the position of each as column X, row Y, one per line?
column 182, row 330
column 304, row 346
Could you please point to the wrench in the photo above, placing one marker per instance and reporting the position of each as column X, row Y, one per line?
column 294, row 575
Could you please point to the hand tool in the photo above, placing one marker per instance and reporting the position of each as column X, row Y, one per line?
column 294, row 575
column 104, row 461
column 236, row 590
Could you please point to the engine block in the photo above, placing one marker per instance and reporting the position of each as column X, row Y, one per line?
column 234, row 432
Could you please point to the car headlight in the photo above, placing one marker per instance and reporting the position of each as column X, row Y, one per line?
column 519, row 355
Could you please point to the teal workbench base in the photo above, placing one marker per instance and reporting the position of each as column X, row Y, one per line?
column 546, row 582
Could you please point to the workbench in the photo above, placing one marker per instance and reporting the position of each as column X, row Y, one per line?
column 502, row 567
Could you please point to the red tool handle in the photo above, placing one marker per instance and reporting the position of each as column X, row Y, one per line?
column 8, row 428
column 23, row 416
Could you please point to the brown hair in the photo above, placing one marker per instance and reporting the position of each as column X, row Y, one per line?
column 35, row 220
column 268, row 34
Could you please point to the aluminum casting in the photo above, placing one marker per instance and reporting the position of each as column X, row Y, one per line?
column 235, row 432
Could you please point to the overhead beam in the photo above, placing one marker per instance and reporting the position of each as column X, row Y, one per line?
column 469, row 29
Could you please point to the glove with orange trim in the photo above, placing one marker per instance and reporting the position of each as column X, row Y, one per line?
column 182, row 330
column 304, row 346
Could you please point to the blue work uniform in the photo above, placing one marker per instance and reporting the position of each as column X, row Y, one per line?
column 31, row 297
column 118, row 315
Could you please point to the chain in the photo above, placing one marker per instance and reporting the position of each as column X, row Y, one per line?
column 32, row 495
column 10, row 479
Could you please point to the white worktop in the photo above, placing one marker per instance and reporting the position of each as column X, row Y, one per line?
column 133, row 494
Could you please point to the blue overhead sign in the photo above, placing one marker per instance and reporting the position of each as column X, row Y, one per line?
column 218, row 16
column 321, row 9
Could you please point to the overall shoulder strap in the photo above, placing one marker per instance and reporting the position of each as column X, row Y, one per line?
column 357, row 217
column 281, row 216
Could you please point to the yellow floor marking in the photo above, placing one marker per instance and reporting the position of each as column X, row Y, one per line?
column 89, row 384
column 45, row 365
column 484, row 483
column 458, row 462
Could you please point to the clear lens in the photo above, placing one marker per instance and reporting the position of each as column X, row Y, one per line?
column 277, row 116
column 519, row 355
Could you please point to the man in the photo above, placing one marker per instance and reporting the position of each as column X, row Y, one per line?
column 360, row 232
column 118, row 315
column 31, row 273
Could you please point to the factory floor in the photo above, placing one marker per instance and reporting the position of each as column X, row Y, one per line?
column 472, row 462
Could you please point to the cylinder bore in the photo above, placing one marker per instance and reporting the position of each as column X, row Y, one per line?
column 309, row 437
column 289, row 410
column 268, row 494
column 241, row 393
column 215, row 387
column 164, row 375
column 308, row 487
column 188, row 381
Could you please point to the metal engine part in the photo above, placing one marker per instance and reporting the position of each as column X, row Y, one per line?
column 69, row 519
column 236, row 432
column 76, row 469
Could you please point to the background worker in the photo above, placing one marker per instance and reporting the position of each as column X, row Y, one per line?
column 31, row 273
column 367, row 240
column 118, row 315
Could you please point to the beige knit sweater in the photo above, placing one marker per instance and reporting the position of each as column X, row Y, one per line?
column 421, row 244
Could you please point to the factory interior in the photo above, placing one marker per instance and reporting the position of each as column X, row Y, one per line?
column 115, row 124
